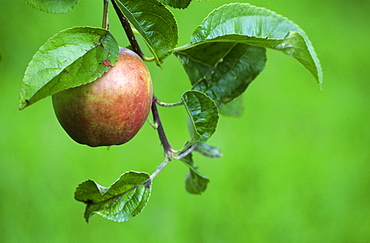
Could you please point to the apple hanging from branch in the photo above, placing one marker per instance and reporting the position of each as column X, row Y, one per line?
column 110, row 110
column 226, row 52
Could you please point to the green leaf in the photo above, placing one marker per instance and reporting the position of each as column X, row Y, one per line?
column 231, row 74
column 70, row 58
column 244, row 23
column 200, row 60
column 235, row 108
column 176, row 3
column 203, row 114
column 195, row 182
column 53, row 6
column 154, row 22
column 121, row 201
column 208, row 150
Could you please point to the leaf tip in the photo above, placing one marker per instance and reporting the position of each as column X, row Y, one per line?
column 23, row 104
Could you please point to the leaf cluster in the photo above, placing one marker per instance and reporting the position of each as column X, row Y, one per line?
column 225, row 53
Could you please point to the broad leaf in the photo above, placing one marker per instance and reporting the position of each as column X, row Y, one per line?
column 70, row 58
column 201, row 60
column 232, row 72
column 53, row 6
column 195, row 182
column 176, row 3
column 154, row 22
column 244, row 23
column 203, row 115
column 120, row 202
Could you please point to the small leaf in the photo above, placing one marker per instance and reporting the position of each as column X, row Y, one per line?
column 203, row 115
column 120, row 202
column 244, row 23
column 208, row 150
column 53, row 6
column 155, row 23
column 70, row 58
column 233, row 73
column 176, row 3
column 195, row 182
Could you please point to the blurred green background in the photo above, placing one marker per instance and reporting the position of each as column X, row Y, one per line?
column 295, row 165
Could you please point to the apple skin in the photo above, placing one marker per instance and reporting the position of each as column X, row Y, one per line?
column 110, row 110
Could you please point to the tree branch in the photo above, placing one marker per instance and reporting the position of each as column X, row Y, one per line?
column 162, row 136
column 159, row 169
column 127, row 27
column 169, row 104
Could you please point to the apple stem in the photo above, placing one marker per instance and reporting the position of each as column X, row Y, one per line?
column 105, row 14
column 127, row 27
column 162, row 135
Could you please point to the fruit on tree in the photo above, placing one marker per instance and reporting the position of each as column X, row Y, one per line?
column 110, row 110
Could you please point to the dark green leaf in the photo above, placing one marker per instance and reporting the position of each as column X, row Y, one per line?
column 53, row 6
column 233, row 73
column 208, row 150
column 195, row 182
column 120, row 202
column 154, row 22
column 203, row 115
column 244, row 23
column 235, row 108
column 176, row 3
column 200, row 60
column 68, row 59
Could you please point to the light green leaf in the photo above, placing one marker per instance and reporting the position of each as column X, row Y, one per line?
column 53, row 6
column 154, row 22
column 120, row 202
column 203, row 114
column 176, row 3
column 244, row 23
column 70, row 58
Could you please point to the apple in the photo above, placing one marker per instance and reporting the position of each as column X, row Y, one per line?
column 110, row 110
